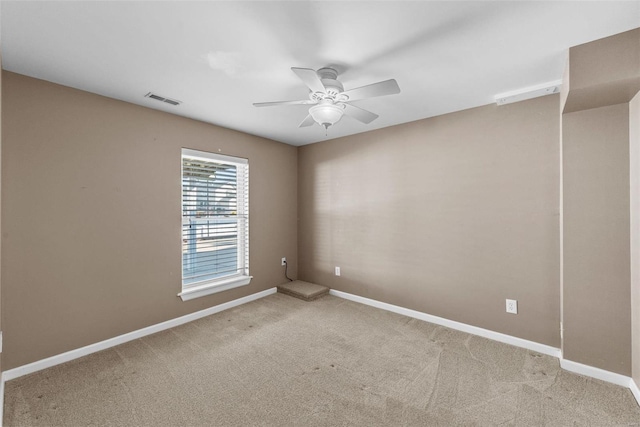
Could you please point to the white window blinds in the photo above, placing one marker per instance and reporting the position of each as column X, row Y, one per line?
column 215, row 217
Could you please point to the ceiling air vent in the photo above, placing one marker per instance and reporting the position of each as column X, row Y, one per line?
column 162, row 98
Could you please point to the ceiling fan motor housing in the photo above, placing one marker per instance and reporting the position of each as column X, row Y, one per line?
column 329, row 99
column 329, row 78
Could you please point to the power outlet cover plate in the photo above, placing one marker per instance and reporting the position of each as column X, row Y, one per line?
column 512, row 306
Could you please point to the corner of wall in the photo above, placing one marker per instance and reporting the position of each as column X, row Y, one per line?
column 634, row 178
column 605, row 71
column 566, row 85
column 1, row 311
column 597, row 181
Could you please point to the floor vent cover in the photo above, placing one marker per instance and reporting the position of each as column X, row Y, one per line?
column 303, row 290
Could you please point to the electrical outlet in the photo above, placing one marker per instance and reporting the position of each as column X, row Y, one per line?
column 337, row 271
column 284, row 261
column 512, row 306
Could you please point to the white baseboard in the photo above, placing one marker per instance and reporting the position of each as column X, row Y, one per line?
column 568, row 365
column 1, row 401
column 635, row 390
column 121, row 339
column 474, row 330
column 575, row 367
column 593, row 372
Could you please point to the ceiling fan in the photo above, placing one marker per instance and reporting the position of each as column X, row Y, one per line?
column 329, row 99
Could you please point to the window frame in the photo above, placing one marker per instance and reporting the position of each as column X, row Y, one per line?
column 242, row 277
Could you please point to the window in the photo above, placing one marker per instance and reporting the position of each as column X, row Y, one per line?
column 215, row 223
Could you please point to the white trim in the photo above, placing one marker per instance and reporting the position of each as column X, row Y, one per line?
column 207, row 156
column 568, row 365
column 474, row 330
column 578, row 368
column 635, row 390
column 597, row 373
column 214, row 287
column 121, row 339
column 1, row 398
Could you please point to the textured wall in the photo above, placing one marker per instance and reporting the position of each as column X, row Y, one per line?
column 598, row 193
column 0, row 199
column 634, row 164
column 596, row 238
column 91, row 216
column 448, row 216
column 604, row 72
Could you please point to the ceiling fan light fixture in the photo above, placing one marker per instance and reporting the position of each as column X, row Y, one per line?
column 331, row 100
column 326, row 113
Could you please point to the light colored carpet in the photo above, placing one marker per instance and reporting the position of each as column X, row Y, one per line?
column 280, row 361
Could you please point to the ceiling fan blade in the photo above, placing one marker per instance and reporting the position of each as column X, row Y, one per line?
column 359, row 114
column 310, row 78
column 387, row 87
column 276, row 103
column 308, row 121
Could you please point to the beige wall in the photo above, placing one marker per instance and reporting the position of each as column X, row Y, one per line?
column 604, row 72
column 597, row 260
column 596, row 238
column 91, row 216
column 564, row 94
column 1, row 311
column 634, row 165
column 449, row 216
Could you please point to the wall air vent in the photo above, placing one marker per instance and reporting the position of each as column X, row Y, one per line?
column 162, row 98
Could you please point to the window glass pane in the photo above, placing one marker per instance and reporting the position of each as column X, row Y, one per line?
column 214, row 223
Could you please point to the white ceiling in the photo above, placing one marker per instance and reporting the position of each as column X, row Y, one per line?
column 220, row 57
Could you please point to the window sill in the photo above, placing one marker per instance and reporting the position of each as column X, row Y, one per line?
column 213, row 287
